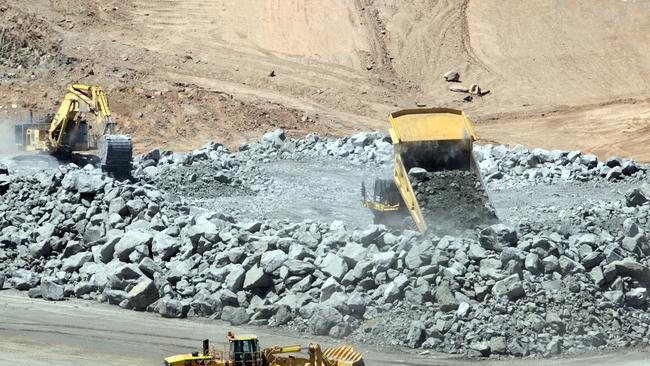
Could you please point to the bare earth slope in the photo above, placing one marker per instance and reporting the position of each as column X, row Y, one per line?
column 561, row 74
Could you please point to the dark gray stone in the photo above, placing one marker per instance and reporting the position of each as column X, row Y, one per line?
column 51, row 291
column 143, row 294
column 235, row 316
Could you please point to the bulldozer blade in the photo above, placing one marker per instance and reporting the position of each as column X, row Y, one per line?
column 344, row 356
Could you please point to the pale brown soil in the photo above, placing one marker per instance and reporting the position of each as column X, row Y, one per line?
column 570, row 74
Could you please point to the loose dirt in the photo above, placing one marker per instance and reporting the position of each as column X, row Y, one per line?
column 453, row 201
column 178, row 73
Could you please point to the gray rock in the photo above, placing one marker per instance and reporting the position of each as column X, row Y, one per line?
column 76, row 261
column 476, row 252
column 334, row 266
column 451, row 76
column 323, row 319
column 22, row 279
column 416, row 334
column 353, row 253
column 498, row 345
column 510, row 287
column 533, row 264
column 554, row 347
column 632, row 268
column 445, row 297
column 171, row 308
column 128, row 243
column 149, row 267
column 235, row 316
column 52, row 291
column 384, row 261
column 299, row 267
column 143, row 295
column 482, row 348
column 273, row 260
column 637, row 297
column 40, row 249
column 638, row 196
column 114, row 297
column 83, row 182
column 275, row 138
column 395, row 289
column 491, row 268
column 235, row 279
column 256, row 278
column 164, row 247
column 282, row 316
column 84, row 288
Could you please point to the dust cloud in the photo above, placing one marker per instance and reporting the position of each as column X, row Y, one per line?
column 7, row 137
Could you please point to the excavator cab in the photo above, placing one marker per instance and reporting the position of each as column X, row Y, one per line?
column 244, row 351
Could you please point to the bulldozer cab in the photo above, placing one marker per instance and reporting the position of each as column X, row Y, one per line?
column 244, row 351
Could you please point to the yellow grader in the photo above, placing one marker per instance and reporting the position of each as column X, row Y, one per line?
column 245, row 351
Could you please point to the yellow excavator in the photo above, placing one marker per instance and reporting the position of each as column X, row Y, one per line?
column 434, row 139
column 245, row 351
column 68, row 131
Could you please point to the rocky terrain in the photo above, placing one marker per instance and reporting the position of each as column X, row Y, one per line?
column 575, row 280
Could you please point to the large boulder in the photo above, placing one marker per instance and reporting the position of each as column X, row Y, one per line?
column 638, row 196
column 323, row 319
column 76, row 261
column 129, row 242
column 445, row 297
column 143, row 294
column 83, row 182
column 234, row 315
column 510, row 287
column 272, row 260
column 334, row 266
column 256, row 278
column 172, row 308
column 164, row 247
column 52, row 291
column 234, row 281
column 22, row 279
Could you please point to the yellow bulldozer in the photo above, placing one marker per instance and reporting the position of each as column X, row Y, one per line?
column 434, row 139
column 245, row 351
column 68, row 131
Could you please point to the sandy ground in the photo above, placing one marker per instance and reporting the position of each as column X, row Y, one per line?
column 40, row 333
column 571, row 75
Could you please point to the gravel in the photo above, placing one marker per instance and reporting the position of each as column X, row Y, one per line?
column 547, row 281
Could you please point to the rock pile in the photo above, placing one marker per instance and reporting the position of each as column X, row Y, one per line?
column 361, row 148
column 527, row 290
column 504, row 167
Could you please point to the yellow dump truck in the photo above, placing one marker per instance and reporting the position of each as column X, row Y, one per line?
column 434, row 139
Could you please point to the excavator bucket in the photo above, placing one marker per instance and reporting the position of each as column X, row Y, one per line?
column 116, row 153
column 343, row 356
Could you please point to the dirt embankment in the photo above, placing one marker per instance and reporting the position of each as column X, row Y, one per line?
column 570, row 75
